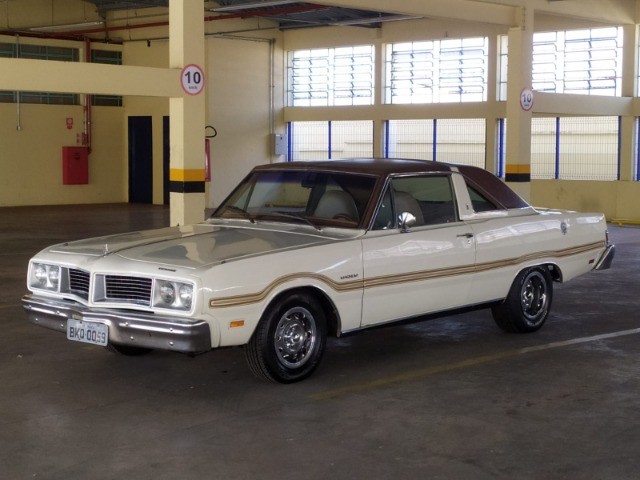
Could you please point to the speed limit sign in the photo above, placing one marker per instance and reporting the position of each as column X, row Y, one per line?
column 526, row 99
column 192, row 79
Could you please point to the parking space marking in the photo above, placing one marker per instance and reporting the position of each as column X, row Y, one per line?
column 472, row 362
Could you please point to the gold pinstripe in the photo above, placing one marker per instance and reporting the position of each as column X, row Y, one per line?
column 262, row 294
column 398, row 279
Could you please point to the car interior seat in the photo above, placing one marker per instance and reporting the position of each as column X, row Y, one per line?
column 406, row 203
column 336, row 204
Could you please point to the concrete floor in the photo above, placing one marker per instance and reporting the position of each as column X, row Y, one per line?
column 453, row 398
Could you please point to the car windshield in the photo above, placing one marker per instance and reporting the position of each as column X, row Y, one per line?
column 315, row 198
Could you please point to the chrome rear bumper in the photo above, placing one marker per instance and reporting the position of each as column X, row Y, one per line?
column 125, row 328
column 604, row 262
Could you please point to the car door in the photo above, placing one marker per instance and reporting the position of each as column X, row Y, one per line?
column 506, row 242
column 420, row 269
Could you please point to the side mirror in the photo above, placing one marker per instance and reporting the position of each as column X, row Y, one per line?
column 407, row 220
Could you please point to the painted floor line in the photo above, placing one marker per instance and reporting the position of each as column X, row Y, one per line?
column 472, row 362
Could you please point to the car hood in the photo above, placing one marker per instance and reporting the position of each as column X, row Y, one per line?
column 203, row 244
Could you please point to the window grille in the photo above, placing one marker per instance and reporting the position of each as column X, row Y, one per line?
column 459, row 141
column 451, row 70
column 331, row 140
column 587, row 62
column 410, row 139
column 575, row 148
column 462, row 141
column 543, row 148
column 331, row 76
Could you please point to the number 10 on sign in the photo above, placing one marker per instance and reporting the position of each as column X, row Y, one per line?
column 192, row 79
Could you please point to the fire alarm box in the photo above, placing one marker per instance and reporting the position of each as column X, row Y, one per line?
column 75, row 165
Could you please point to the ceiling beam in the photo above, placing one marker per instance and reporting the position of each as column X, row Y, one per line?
column 615, row 12
column 501, row 12
column 467, row 10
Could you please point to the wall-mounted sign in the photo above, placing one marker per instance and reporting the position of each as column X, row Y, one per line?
column 192, row 79
column 526, row 99
column 69, row 123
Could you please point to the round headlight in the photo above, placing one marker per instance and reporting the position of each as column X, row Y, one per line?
column 168, row 293
column 40, row 273
column 186, row 295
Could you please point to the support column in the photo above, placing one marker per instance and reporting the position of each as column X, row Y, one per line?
column 490, row 120
column 378, row 100
column 518, row 158
column 629, row 69
column 187, row 117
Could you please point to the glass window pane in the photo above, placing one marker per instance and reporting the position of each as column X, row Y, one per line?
column 451, row 70
column 328, row 77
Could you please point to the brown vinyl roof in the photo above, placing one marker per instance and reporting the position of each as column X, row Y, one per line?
column 481, row 180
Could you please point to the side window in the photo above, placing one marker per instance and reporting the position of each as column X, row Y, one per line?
column 385, row 218
column 480, row 202
column 429, row 198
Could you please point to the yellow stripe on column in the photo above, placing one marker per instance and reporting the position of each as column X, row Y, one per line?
column 186, row 175
column 516, row 169
column 516, row 172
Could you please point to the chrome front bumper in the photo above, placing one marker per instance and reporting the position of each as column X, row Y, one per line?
column 125, row 328
column 604, row 262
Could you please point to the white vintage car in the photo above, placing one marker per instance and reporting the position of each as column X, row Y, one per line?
column 301, row 251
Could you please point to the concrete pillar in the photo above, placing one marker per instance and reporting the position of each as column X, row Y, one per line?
column 627, row 127
column 518, row 155
column 490, row 120
column 379, row 123
column 187, row 116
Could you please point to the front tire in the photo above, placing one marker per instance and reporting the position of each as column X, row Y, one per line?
column 528, row 303
column 289, row 340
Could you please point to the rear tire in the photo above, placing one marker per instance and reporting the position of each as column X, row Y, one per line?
column 289, row 340
column 528, row 303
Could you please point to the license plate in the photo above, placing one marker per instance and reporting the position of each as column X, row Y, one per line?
column 87, row 332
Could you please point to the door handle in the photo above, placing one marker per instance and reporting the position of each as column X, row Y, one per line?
column 465, row 235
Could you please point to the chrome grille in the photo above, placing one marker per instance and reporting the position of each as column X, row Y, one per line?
column 128, row 289
column 79, row 282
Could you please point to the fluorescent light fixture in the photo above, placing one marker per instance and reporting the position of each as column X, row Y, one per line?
column 71, row 26
column 248, row 6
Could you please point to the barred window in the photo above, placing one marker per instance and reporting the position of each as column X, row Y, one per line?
column 461, row 141
column 439, row 71
column 575, row 148
column 587, row 62
column 39, row 52
column 331, row 140
column 331, row 76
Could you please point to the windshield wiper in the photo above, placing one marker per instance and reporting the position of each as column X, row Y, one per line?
column 294, row 217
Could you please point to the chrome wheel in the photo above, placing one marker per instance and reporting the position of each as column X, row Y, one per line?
column 526, row 307
column 534, row 297
column 290, row 338
column 295, row 337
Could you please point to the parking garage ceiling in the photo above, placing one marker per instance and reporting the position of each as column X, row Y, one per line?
column 100, row 18
column 288, row 13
